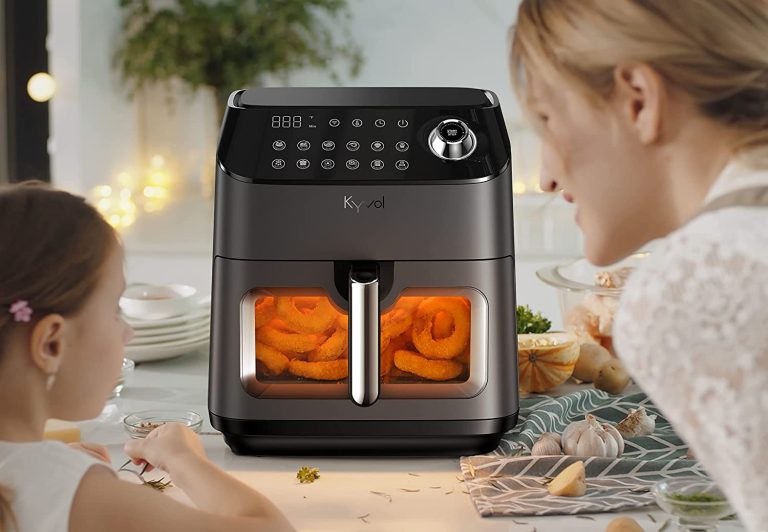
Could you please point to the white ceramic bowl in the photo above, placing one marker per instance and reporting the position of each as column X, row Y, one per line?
column 155, row 302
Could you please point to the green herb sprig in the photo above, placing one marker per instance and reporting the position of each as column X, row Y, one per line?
column 530, row 322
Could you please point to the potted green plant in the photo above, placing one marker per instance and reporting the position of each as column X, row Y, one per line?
column 226, row 45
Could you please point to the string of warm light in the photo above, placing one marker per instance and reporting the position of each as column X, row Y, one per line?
column 149, row 191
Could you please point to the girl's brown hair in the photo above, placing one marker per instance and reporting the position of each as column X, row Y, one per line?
column 52, row 249
column 714, row 50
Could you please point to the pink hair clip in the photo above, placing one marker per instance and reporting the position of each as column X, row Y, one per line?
column 21, row 310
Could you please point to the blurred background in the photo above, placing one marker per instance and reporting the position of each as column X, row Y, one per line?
column 121, row 101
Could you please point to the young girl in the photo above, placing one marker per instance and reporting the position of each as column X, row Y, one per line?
column 654, row 121
column 61, row 347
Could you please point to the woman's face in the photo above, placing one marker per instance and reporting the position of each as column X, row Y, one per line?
column 592, row 152
column 94, row 349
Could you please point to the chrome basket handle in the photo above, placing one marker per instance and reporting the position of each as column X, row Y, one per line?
column 363, row 336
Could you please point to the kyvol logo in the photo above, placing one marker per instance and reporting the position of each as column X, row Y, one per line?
column 349, row 203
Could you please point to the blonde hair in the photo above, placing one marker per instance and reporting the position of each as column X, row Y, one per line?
column 714, row 50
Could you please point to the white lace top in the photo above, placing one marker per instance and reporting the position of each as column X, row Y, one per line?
column 692, row 329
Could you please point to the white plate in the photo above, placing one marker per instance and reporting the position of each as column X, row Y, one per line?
column 163, row 353
column 159, row 339
column 198, row 314
column 188, row 340
column 194, row 325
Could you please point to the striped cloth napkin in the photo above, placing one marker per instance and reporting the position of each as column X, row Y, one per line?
column 510, row 482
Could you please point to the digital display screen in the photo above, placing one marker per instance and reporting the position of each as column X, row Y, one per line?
column 286, row 121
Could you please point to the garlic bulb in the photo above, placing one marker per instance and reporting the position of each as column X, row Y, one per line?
column 548, row 444
column 637, row 423
column 590, row 438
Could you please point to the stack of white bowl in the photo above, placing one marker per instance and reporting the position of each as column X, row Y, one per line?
column 168, row 321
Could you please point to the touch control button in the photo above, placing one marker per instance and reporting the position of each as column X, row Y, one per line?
column 328, row 145
column 357, row 122
column 278, row 164
column 353, row 145
column 377, row 145
column 353, row 164
column 327, row 164
column 402, row 164
column 302, row 164
column 278, row 145
column 377, row 164
column 402, row 146
column 334, row 122
column 380, row 122
column 402, row 123
column 303, row 145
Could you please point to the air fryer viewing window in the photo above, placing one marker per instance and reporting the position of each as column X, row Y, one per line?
column 299, row 337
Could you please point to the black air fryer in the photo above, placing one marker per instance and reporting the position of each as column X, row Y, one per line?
column 363, row 273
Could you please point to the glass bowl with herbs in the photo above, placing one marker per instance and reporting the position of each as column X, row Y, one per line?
column 139, row 424
column 697, row 502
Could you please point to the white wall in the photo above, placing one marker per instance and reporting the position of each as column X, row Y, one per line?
column 431, row 43
column 94, row 130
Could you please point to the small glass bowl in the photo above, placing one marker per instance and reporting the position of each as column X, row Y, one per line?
column 139, row 424
column 696, row 516
column 128, row 367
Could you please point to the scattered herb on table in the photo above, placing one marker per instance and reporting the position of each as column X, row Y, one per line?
column 158, row 484
column 382, row 494
column 530, row 322
column 307, row 475
column 364, row 518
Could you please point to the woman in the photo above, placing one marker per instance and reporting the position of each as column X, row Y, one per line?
column 654, row 122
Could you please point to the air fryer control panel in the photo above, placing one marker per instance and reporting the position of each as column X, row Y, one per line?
column 369, row 144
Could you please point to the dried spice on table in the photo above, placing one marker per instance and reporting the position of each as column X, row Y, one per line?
column 307, row 475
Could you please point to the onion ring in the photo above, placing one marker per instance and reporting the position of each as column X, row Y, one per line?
column 435, row 370
column 310, row 319
column 388, row 353
column 274, row 361
column 332, row 348
column 409, row 303
column 441, row 348
column 442, row 327
column 396, row 322
column 286, row 341
column 325, row 370
column 264, row 310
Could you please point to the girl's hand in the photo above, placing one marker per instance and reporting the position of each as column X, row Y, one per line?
column 165, row 447
column 94, row 449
